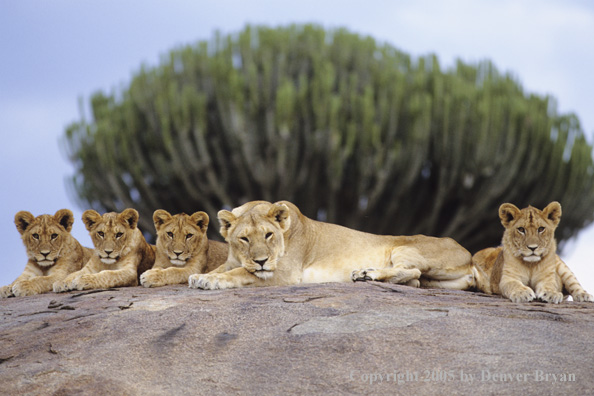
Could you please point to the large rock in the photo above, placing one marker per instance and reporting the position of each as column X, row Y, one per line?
column 308, row 339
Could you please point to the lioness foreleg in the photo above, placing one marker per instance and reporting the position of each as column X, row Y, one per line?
column 237, row 277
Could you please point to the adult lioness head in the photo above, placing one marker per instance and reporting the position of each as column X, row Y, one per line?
column 180, row 236
column 256, row 237
column 530, row 233
column 45, row 236
column 112, row 234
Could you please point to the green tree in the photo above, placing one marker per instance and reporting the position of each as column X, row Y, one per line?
column 353, row 131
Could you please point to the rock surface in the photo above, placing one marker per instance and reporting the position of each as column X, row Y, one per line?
column 361, row 338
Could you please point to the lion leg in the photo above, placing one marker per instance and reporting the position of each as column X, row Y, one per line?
column 463, row 283
column 29, row 287
column 6, row 291
column 548, row 287
column 456, row 278
column 68, row 283
column 169, row 276
column 391, row 275
column 237, row 277
column 515, row 290
column 406, row 267
column 571, row 284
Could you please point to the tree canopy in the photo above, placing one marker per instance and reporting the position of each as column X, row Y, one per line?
column 352, row 131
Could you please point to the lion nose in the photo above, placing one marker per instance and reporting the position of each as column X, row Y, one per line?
column 177, row 252
column 45, row 253
column 532, row 247
column 108, row 251
column 261, row 262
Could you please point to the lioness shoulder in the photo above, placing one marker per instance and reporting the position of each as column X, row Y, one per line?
column 52, row 251
column 527, row 266
column 121, row 253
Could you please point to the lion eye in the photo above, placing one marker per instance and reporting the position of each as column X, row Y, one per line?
column 521, row 230
column 245, row 239
column 170, row 234
column 35, row 236
column 54, row 236
column 188, row 236
column 119, row 235
column 268, row 235
column 100, row 233
column 541, row 230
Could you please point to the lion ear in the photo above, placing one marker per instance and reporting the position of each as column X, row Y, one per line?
column 23, row 220
column 280, row 214
column 201, row 220
column 130, row 217
column 90, row 218
column 226, row 219
column 553, row 212
column 161, row 217
column 65, row 218
column 508, row 213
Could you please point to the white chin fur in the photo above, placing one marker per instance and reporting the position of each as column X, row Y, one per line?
column 264, row 274
column 178, row 262
column 45, row 263
column 108, row 261
column 532, row 259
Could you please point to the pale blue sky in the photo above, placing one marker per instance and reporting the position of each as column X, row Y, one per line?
column 53, row 52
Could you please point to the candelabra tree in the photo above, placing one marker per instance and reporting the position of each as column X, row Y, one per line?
column 353, row 131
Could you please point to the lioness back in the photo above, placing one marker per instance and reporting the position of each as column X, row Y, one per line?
column 52, row 251
column 527, row 266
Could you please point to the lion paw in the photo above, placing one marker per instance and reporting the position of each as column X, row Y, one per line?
column 550, row 296
column 363, row 275
column 6, row 291
column 523, row 295
column 61, row 286
column 152, row 278
column 582, row 297
column 209, row 282
column 84, row 282
column 25, row 288
column 414, row 283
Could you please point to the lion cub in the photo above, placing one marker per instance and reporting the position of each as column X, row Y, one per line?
column 183, row 249
column 527, row 265
column 53, row 252
column 121, row 253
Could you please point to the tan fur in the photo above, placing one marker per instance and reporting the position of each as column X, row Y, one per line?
column 121, row 253
column 183, row 249
column 53, row 252
column 527, row 266
column 275, row 244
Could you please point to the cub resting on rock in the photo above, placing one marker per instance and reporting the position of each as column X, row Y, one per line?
column 527, row 265
column 183, row 249
column 53, row 252
column 273, row 244
column 121, row 253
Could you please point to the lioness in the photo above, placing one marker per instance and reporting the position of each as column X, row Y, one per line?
column 121, row 253
column 183, row 249
column 527, row 265
column 275, row 244
column 53, row 252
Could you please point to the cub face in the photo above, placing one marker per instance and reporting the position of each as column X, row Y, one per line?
column 180, row 236
column 111, row 233
column 256, row 238
column 530, row 233
column 45, row 235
